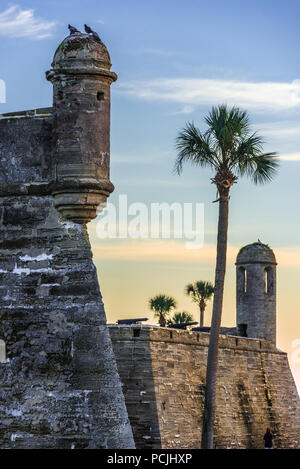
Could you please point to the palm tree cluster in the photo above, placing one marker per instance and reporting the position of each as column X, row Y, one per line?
column 162, row 305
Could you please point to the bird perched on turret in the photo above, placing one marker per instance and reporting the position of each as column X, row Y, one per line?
column 73, row 30
column 93, row 33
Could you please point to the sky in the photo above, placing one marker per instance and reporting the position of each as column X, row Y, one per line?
column 175, row 60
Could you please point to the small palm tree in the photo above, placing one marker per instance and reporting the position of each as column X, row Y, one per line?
column 162, row 305
column 230, row 150
column 200, row 292
column 179, row 318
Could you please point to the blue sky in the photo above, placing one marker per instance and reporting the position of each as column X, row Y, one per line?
column 174, row 60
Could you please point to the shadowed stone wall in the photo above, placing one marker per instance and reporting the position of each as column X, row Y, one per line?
column 163, row 372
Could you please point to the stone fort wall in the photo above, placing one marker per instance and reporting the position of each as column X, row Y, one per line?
column 163, row 374
column 59, row 386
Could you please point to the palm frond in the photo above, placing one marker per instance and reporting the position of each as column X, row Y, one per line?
column 179, row 318
column 162, row 303
column 226, row 126
column 199, row 290
column 227, row 146
column 266, row 167
column 246, row 148
column 195, row 147
column 250, row 161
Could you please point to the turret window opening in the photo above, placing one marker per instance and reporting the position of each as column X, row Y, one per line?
column 243, row 279
column 268, row 280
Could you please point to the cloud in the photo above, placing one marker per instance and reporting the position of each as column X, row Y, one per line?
column 187, row 109
column 16, row 22
column 158, row 250
column 290, row 157
column 279, row 129
column 194, row 92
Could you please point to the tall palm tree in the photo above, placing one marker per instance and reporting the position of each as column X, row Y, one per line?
column 162, row 305
column 200, row 292
column 230, row 149
column 179, row 318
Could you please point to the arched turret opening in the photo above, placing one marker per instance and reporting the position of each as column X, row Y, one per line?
column 242, row 280
column 269, row 280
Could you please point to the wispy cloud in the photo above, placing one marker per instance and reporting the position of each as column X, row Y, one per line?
column 17, row 22
column 290, row 157
column 279, row 129
column 187, row 109
column 151, row 250
column 156, row 250
column 193, row 92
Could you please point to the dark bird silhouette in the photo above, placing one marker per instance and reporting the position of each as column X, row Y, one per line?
column 90, row 31
column 72, row 29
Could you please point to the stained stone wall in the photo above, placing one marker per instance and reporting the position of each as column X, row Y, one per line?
column 163, row 374
column 59, row 386
column 25, row 149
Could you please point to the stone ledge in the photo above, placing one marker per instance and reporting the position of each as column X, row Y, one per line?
column 23, row 189
column 41, row 112
column 164, row 334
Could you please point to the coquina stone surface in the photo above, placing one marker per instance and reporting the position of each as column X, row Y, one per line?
column 59, row 386
column 163, row 372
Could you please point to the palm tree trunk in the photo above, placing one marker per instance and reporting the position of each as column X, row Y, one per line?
column 162, row 321
column 212, row 359
column 201, row 316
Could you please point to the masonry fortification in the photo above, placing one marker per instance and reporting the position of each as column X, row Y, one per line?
column 163, row 372
column 81, row 80
column 59, row 383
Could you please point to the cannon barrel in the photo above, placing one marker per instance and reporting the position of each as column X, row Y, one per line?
column 201, row 329
column 131, row 321
column 181, row 325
